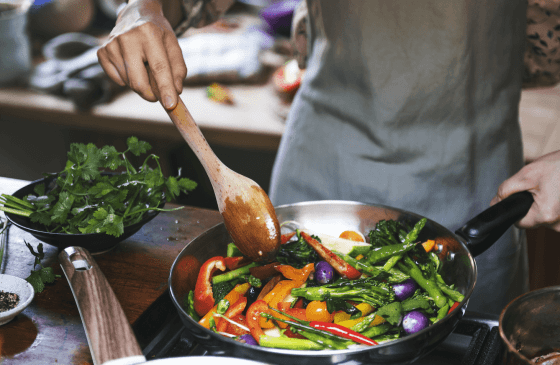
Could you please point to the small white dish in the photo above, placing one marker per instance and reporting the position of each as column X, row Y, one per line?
column 19, row 286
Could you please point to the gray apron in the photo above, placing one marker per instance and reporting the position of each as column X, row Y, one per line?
column 413, row 105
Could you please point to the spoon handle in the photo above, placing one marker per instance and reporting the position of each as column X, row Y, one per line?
column 188, row 128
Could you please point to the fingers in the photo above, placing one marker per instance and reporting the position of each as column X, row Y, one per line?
column 109, row 67
column 542, row 179
column 160, row 67
column 125, row 56
column 518, row 182
column 176, row 60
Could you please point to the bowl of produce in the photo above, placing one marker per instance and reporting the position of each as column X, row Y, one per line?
column 90, row 203
column 352, row 283
column 15, row 295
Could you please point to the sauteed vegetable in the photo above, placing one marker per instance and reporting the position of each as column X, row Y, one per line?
column 326, row 292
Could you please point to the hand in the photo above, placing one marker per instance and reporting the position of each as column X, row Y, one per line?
column 143, row 35
column 542, row 179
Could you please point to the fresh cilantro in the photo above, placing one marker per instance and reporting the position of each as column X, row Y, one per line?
column 89, row 196
column 43, row 275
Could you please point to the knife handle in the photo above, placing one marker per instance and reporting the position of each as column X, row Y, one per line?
column 110, row 336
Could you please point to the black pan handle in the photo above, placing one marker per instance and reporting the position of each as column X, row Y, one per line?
column 486, row 228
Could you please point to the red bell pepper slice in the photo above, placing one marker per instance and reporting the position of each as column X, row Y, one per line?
column 203, row 296
column 236, row 262
column 233, row 310
column 341, row 266
column 234, row 329
column 343, row 332
column 253, row 316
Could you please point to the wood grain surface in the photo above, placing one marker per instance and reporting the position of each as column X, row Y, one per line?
column 109, row 334
column 50, row 330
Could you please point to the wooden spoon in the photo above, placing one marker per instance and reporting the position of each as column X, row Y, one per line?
column 246, row 209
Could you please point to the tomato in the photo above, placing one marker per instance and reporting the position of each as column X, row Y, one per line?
column 352, row 236
column 317, row 311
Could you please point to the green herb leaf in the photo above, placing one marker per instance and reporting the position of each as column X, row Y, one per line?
column 137, row 147
column 35, row 280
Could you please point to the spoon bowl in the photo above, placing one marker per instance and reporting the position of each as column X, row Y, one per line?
column 245, row 207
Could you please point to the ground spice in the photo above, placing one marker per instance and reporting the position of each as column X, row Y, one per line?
column 8, row 301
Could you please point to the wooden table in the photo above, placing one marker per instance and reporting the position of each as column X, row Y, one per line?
column 50, row 330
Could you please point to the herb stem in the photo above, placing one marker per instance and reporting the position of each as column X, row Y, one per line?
column 24, row 213
column 10, row 198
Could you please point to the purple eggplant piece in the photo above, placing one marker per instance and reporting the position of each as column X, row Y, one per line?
column 415, row 321
column 405, row 289
column 248, row 339
column 324, row 272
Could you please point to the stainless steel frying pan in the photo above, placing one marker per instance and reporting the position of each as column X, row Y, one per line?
column 457, row 251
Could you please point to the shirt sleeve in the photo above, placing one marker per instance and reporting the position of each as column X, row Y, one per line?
column 542, row 53
column 199, row 13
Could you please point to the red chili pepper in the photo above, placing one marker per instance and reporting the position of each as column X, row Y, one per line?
column 203, row 296
column 253, row 316
column 343, row 332
column 286, row 237
column 236, row 262
column 233, row 310
column 341, row 266
column 455, row 305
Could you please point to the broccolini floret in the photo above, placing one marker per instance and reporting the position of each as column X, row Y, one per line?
column 368, row 290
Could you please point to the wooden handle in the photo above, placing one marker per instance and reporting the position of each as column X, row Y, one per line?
column 108, row 332
column 184, row 122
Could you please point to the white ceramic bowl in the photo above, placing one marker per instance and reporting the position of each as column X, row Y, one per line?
column 22, row 288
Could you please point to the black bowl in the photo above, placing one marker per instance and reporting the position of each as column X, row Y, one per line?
column 93, row 242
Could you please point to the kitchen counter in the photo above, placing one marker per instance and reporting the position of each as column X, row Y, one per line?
column 256, row 121
column 50, row 330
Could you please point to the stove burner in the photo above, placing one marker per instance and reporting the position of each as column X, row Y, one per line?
column 475, row 341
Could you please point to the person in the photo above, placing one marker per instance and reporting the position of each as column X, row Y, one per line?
column 412, row 105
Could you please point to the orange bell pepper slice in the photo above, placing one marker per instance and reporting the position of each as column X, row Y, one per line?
column 429, row 245
column 233, row 296
column 276, row 295
column 298, row 275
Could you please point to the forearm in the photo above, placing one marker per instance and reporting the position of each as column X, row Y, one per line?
column 171, row 9
column 200, row 13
